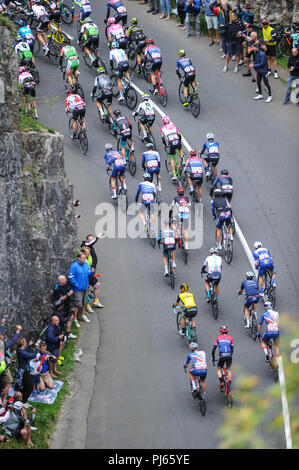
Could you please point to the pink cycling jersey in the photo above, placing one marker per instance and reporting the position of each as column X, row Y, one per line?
column 116, row 30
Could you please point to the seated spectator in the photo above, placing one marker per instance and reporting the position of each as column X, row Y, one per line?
column 24, row 356
column 233, row 31
column 261, row 68
column 293, row 66
column 192, row 7
column 54, row 341
column 211, row 19
column 5, row 375
column 5, row 410
column 66, row 318
column 180, row 5
column 46, row 380
column 18, row 425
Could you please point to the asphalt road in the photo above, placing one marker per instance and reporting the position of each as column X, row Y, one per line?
column 139, row 395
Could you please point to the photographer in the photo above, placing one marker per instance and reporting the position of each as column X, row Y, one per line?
column 62, row 300
column 5, row 375
column 54, row 342
column 24, row 356
column 192, row 7
column 18, row 425
column 261, row 67
column 233, row 31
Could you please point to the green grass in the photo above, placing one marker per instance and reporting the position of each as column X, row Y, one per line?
column 28, row 123
column 4, row 21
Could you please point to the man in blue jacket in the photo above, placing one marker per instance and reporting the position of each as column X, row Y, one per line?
column 192, row 7
column 79, row 274
column 260, row 65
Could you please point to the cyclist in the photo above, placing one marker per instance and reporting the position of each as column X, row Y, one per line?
column 124, row 128
column 212, row 155
column 137, row 37
column 120, row 9
column 171, row 139
column 226, row 349
column 147, row 112
column 188, row 69
column 77, row 105
column 151, row 163
column 85, row 8
column 153, row 54
column 113, row 157
column 22, row 48
column 263, row 261
column 271, row 319
column 221, row 211
column 213, row 263
column 148, row 193
column 70, row 54
column 194, row 168
column 252, row 294
column 90, row 34
column 42, row 16
column 190, row 308
column 103, row 88
column 182, row 204
column 115, row 32
column 26, row 79
column 226, row 185
column 27, row 35
column 199, row 368
column 53, row 10
column 167, row 237
column 121, row 60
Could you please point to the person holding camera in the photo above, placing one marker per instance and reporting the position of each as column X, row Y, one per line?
column 24, row 378
column 260, row 65
column 233, row 31
column 54, row 341
column 192, row 7
column 5, row 376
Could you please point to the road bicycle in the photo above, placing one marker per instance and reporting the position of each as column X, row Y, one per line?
column 171, row 270
column 195, row 195
column 130, row 94
column 149, row 136
column 213, row 299
column 150, row 231
column 200, row 395
column 271, row 361
column 252, row 320
column 210, row 174
column 181, row 241
column 75, row 87
column 226, row 243
column 270, row 289
column 66, row 13
column 53, row 53
column 81, row 135
column 132, row 57
column 284, row 40
column 191, row 333
column 18, row 11
column 227, row 385
column 159, row 90
column 192, row 99
column 130, row 157
column 31, row 68
column 121, row 192
column 179, row 163
column 106, row 117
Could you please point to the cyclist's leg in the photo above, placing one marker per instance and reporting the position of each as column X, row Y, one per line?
column 141, row 213
column 172, row 164
column 261, row 281
column 173, row 259
column 186, row 237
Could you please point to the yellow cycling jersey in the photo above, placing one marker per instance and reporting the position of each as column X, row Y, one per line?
column 187, row 299
column 268, row 36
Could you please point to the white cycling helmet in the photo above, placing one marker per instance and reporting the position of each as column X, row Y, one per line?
column 268, row 306
column 18, row 405
column 108, row 147
column 193, row 346
column 210, row 135
column 257, row 245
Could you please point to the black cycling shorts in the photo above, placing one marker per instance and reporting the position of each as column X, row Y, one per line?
column 225, row 361
column 196, row 179
column 216, row 277
column 175, row 145
column 29, row 90
column 105, row 96
column 190, row 312
column 43, row 23
column 148, row 120
column 189, row 79
column 228, row 196
column 122, row 67
column 92, row 41
column 78, row 113
column 140, row 46
column 156, row 66
column 212, row 158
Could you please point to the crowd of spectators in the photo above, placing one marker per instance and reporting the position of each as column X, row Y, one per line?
column 240, row 40
column 36, row 361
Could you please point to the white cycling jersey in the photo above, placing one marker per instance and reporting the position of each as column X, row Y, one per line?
column 213, row 263
column 146, row 108
column 118, row 56
column 39, row 11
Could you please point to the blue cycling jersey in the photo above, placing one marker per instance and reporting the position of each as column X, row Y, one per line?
column 271, row 319
column 225, row 182
column 263, row 256
column 186, row 65
column 26, row 33
column 251, row 287
column 148, row 191
column 210, row 147
column 150, row 160
column 113, row 157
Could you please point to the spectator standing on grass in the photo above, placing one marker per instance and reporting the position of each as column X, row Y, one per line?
column 212, row 21
column 270, row 36
column 293, row 66
column 233, row 31
column 224, row 13
column 154, row 7
column 261, row 67
column 24, row 356
column 192, row 7
column 54, row 341
column 165, row 7
column 180, row 5
column 79, row 274
column 5, row 376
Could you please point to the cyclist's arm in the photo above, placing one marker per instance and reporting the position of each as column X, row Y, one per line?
column 213, row 209
column 61, row 58
column 214, row 350
column 137, row 194
column 108, row 10
column 203, row 149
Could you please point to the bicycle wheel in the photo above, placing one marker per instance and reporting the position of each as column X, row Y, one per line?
column 202, row 401
column 71, row 127
column 283, row 48
column 228, row 396
column 115, row 90
column 132, row 164
column 274, row 370
column 54, row 54
column 132, row 59
column 101, row 63
column 253, row 329
column 162, row 95
column 168, row 167
column 171, row 278
column 271, row 293
column 181, row 93
column 146, row 70
column 79, row 90
column 193, row 335
column 228, row 255
column 179, row 317
column 123, row 200
column 66, row 14
column 36, row 46
column 34, row 72
column 83, row 141
column 131, row 97
column 150, row 138
column 214, row 304
column 185, row 255
column 195, row 106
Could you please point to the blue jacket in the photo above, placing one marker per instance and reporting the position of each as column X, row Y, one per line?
column 260, row 64
column 208, row 11
column 195, row 9
column 52, row 337
column 24, row 357
column 79, row 275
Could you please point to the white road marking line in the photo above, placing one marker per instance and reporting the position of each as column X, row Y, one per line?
column 245, row 246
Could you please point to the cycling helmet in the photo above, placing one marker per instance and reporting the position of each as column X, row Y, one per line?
column 249, row 275
column 150, row 41
column 18, row 405
column 193, row 346
column 88, row 20
column 133, row 21
column 180, row 190
column 19, row 38
column 101, row 70
column 223, row 329
column 115, row 44
column 265, row 22
column 108, row 147
column 257, row 245
column 224, row 172
column 182, row 52
column 146, row 176
column 117, row 112
column 21, row 22
column 213, row 250
column 22, row 69
column 145, row 97
column 165, row 119
column 217, row 192
column 111, row 20
column 193, row 153
column 268, row 306
column 184, row 287
column 210, row 135
column 149, row 145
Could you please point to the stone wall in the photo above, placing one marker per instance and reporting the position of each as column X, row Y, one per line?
column 277, row 11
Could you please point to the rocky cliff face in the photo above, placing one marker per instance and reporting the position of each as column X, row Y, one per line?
column 277, row 11
column 38, row 232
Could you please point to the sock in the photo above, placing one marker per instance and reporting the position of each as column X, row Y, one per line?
column 262, row 290
column 194, row 385
column 166, row 269
column 274, row 281
column 173, row 265
column 265, row 351
column 208, row 293
column 191, row 188
column 186, row 245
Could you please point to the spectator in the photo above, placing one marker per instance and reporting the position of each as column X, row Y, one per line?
column 261, row 68
column 90, row 241
column 54, row 341
column 24, row 379
column 154, row 7
column 211, row 20
column 192, row 7
column 66, row 318
column 143, row 2
column 293, row 66
column 18, row 425
column 5, row 411
column 245, row 14
column 269, row 36
column 250, row 41
column 45, row 376
column 63, row 291
column 93, row 282
column 5, row 376
column 224, row 13
column 166, row 6
column 233, row 33
column 180, row 5
column 79, row 274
